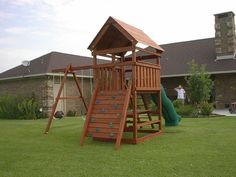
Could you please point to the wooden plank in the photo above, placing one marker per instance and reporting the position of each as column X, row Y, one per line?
column 145, row 76
column 123, row 118
column 90, row 109
column 146, row 57
column 112, row 92
column 148, row 65
column 105, row 111
column 112, row 51
column 111, row 115
column 138, row 76
column 148, row 51
column 106, row 102
column 108, row 124
column 142, row 89
column 106, row 135
column 109, row 106
column 102, row 130
column 110, row 97
column 104, row 119
column 148, row 123
column 141, row 77
column 149, row 136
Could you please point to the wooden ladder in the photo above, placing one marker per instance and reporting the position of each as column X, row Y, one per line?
column 107, row 115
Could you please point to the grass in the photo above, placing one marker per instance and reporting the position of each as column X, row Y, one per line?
column 197, row 148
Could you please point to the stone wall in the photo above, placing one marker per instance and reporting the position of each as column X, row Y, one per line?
column 225, row 90
column 29, row 87
column 42, row 89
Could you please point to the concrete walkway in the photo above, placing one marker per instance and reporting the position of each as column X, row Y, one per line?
column 224, row 112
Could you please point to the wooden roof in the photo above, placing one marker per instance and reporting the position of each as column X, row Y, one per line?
column 116, row 33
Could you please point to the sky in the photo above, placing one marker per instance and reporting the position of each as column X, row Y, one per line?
column 32, row 28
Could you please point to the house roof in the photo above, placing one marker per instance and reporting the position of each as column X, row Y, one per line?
column 45, row 64
column 175, row 59
column 116, row 33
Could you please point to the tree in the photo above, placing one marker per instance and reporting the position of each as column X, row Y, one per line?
column 199, row 83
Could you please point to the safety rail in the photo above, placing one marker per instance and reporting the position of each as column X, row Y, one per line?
column 147, row 76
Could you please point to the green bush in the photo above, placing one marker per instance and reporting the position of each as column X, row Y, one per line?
column 28, row 109
column 9, row 107
column 177, row 103
column 185, row 110
column 17, row 107
column 206, row 108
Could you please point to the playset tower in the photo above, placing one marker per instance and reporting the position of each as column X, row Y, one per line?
column 113, row 113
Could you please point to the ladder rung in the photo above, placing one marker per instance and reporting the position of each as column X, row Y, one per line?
column 148, row 123
column 139, row 112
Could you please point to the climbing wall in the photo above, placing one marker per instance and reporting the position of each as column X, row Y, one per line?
column 108, row 115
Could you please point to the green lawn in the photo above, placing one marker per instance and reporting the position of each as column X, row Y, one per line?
column 199, row 147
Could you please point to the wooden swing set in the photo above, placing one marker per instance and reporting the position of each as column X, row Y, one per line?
column 113, row 113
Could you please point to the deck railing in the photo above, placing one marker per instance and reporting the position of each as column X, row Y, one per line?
column 147, row 76
column 111, row 76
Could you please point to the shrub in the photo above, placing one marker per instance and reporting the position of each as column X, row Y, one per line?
column 177, row 103
column 71, row 113
column 185, row 110
column 206, row 108
column 16, row 107
column 9, row 107
column 199, row 83
column 28, row 109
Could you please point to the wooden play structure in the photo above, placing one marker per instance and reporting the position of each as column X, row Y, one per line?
column 113, row 113
column 127, row 79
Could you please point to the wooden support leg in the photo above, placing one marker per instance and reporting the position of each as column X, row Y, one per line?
column 135, row 118
column 56, row 101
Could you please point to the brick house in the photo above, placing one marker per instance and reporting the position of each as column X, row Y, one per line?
column 38, row 79
column 217, row 54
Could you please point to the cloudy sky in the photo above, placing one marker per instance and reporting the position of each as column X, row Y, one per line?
column 31, row 28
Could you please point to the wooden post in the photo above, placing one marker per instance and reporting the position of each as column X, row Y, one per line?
column 135, row 116
column 95, row 71
column 56, row 101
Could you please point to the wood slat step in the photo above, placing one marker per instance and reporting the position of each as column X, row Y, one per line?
column 104, row 120
column 110, row 93
column 108, row 135
column 107, row 116
column 111, row 136
column 106, row 111
column 102, row 130
column 109, row 107
column 104, row 125
column 148, row 123
column 113, row 97
column 107, row 102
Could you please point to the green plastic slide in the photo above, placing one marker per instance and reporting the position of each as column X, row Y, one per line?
column 168, row 110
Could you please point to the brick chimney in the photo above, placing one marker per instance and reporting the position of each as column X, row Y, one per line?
column 225, row 38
